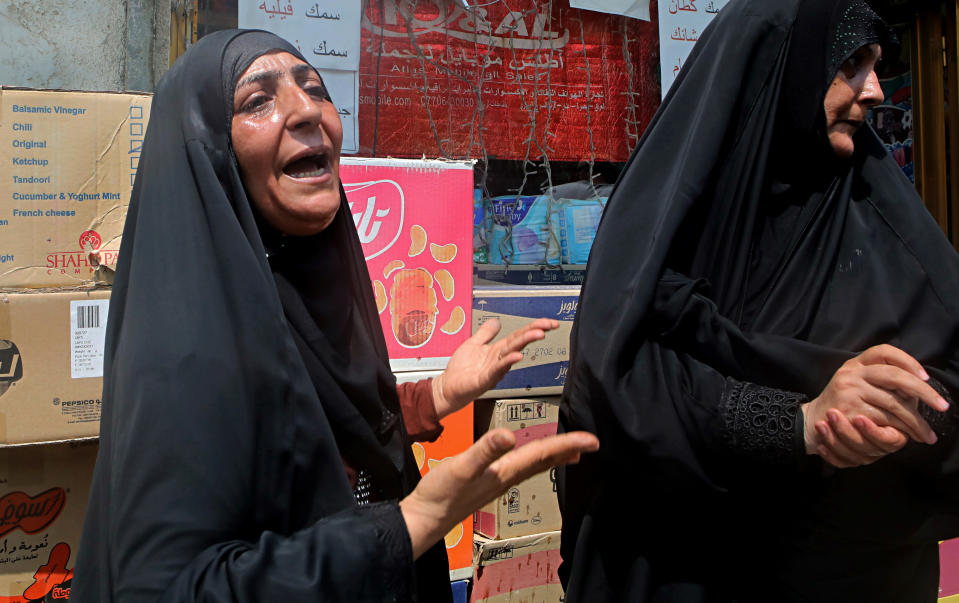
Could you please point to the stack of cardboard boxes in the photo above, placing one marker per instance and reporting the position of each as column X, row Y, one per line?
column 516, row 545
column 70, row 160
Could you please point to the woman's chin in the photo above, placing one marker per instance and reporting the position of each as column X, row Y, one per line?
column 842, row 145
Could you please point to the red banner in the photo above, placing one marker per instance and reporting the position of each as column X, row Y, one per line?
column 508, row 80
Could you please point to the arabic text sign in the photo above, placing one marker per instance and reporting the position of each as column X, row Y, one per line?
column 343, row 87
column 681, row 22
column 327, row 32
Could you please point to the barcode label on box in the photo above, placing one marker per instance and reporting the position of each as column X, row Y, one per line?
column 88, row 317
column 88, row 326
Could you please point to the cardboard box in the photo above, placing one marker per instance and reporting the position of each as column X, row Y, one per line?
column 543, row 370
column 43, row 499
column 414, row 219
column 457, row 436
column 517, row 569
column 529, row 507
column 51, row 364
column 949, row 569
column 70, row 159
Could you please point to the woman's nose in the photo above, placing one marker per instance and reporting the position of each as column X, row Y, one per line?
column 303, row 109
column 871, row 94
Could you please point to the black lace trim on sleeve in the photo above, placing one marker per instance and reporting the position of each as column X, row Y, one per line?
column 761, row 422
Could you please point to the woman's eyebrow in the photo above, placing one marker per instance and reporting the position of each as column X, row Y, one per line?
column 259, row 77
column 301, row 70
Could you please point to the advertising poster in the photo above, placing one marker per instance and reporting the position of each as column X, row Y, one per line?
column 518, row 80
column 414, row 219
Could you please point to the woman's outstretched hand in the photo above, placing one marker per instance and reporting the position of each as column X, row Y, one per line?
column 454, row 489
column 478, row 365
column 870, row 408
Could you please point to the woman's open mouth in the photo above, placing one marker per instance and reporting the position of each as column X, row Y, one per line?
column 309, row 166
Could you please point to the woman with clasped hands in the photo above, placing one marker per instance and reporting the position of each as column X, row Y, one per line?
column 766, row 341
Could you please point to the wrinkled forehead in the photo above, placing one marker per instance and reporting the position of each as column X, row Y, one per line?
column 242, row 51
column 273, row 65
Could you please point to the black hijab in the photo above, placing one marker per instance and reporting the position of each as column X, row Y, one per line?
column 735, row 246
column 242, row 366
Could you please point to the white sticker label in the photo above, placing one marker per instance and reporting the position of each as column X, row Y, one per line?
column 88, row 327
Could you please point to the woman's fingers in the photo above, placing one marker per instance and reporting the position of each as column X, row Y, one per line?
column 853, row 440
column 851, row 444
column 486, row 332
column 541, row 455
column 454, row 489
column 527, row 334
column 904, row 383
column 888, row 354
column 493, row 463
column 839, row 454
column 478, row 458
column 886, row 408
column 888, row 439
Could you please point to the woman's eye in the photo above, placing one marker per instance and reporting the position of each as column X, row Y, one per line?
column 317, row 92
column 851, row 67
column 253, row 104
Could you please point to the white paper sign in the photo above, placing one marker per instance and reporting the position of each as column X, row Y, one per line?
column 344, row 89
column 88, row 328
column 638, row 9
column 327, row 34
column 681, row 22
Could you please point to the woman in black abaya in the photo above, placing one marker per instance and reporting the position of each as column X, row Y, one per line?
column 253, row 444
column 769, row 316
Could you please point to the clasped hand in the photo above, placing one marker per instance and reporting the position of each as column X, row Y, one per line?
column 870, row 408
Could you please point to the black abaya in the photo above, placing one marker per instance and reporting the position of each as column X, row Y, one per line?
column 236, row 384
column 737, row 266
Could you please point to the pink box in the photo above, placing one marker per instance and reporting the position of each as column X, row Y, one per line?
column 949, row 568
column 415, row 221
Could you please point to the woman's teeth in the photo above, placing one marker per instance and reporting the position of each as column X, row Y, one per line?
column 315, row 172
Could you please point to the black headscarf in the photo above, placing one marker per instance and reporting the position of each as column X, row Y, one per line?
column 736, row 248
column 242, row 366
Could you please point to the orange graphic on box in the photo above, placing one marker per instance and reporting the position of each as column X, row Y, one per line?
column 413, row 307
column 51, row 580
column 30, row 514
column 457, row 436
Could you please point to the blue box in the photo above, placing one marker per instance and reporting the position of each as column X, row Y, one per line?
column 525, row 230
column 482, row 224
column 578, row 221
column 543, row 370
column 460, row 591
